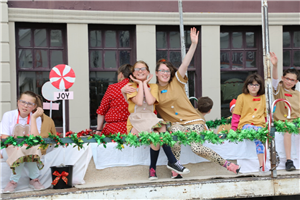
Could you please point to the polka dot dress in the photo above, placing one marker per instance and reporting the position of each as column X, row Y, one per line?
column 115, row 109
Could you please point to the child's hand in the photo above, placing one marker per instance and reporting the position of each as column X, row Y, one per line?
column 39, row 112
column 194, row 35
column 127, row 89
column 149, row 78
column 135, row 80
column 273, row 59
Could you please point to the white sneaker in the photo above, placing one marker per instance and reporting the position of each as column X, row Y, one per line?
column 264, row 173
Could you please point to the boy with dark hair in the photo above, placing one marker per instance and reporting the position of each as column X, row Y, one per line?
column 205, row 105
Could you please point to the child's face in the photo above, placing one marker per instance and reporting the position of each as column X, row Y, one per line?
column 289, row 81
column 163, row 74
column 26, row 105
column 140, row 72
column 253, row 88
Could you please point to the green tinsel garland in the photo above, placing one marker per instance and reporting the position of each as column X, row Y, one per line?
column 291, row 127
column 145, row 138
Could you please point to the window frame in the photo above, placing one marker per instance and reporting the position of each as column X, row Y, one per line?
column 117, row 28
column 132, row 48
column 244, row 49
column 63, row 48
column 259, row 55
column 291, row 30
column 197, row 55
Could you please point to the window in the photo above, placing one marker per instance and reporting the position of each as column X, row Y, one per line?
column 291, row 47
column 168, row 46
column 39, row 47
column 240, row 55
column 109, row 48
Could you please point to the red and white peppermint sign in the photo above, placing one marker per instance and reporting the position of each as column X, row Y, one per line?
column 62, row 76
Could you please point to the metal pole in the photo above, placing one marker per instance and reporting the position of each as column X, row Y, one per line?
column 183, row 53
column 268, row 84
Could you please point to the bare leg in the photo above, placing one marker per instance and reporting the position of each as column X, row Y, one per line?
column 287, row 145
column 260, row 159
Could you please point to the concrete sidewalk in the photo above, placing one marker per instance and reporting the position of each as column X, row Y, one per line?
column 206, row 181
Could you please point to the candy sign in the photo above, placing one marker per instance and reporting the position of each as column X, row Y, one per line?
column 62, row 76
column 63, row 95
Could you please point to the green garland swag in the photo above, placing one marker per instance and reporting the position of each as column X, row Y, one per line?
column 169, row 138
column 291, row 127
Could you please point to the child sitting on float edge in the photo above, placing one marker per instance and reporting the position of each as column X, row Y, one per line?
column 205, row 105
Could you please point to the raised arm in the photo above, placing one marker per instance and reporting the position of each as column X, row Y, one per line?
column 187, row 59
column 150, row 99
column 274, row 61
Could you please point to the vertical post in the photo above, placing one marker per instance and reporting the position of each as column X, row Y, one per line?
column 182, row 42
column 268, row 84
column 50, row 112
column 64, row 117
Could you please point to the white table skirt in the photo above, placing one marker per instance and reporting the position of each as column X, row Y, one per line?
column 244, row 152
column 79, row 159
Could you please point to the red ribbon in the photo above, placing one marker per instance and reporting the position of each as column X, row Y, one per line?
column 288, row 95
column 256, row 99
column 63, row 176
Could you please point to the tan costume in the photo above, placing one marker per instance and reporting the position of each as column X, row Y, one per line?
column 293, row 97
column 174, row 106
column 142, row 118
column 48, row 126
column 251, row 109
column 224, row 127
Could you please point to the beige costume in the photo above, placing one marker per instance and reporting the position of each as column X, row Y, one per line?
column 293, row 97
column 142, row 118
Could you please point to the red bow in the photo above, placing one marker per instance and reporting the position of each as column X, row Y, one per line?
column 63, row 176
column 256, row 99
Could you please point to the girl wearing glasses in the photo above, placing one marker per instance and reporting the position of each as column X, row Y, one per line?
column 141, row 105
column 20, row 122
column 285, row 89
column 250, row 111
column 175, row 107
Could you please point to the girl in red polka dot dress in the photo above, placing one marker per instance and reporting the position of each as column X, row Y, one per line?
column 113, row 107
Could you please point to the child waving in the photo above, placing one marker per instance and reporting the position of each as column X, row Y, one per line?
column 285, row 89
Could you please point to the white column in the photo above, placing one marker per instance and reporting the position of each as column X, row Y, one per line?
column 78, row 60
column 5, row 86
column 13, row 65
column 210, row 49
column 146, row 46
column 276, row 45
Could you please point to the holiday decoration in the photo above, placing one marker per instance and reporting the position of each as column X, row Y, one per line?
column 62, row 76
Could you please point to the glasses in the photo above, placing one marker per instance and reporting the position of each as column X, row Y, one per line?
column 253, row 85
column 138, row 69
column 29, row 104
column 288, row 79
column 164, row 71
